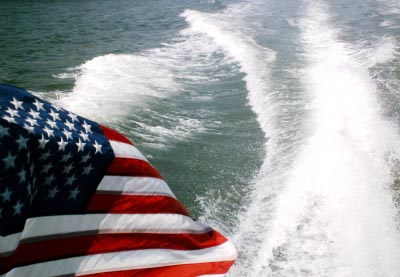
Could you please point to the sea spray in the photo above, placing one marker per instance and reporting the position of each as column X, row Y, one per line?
column 336, row 216
column 330, row 212
column 255, row 61
column 136, row 87
column 112, row 83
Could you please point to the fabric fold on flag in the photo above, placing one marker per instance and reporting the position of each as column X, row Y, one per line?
column 79, row 199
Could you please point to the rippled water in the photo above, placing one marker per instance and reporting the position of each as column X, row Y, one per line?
column 276, row 122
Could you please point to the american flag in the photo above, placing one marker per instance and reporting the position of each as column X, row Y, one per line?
column 78, row 199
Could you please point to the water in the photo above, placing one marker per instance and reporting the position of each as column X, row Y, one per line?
column 277, row 122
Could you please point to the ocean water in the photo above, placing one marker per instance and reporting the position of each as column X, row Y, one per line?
column 276, row 122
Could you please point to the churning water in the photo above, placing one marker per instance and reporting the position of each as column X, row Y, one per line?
column 276, row 122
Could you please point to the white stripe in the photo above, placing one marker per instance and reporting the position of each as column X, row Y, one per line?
column 124, row 150
column 9, row 243
column 110, row 223
column 212, row 275
column 135, row 185
column 141, row 223
column 126, row 260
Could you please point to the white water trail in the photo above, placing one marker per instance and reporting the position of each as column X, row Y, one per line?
column 331, row 213
column 336, row 215
column 384, row 51
column 254, row 60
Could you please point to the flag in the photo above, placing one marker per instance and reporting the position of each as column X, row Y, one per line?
column 79, row 199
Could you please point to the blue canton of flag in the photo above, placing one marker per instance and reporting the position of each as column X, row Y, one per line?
column 51, row 160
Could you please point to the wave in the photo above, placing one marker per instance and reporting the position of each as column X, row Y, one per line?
column 253, row 59
column 392, row 6
column 390, row 10
column 134, row 89
column 336, row 215
column 326, row 209
column 255, row 62
column 108, row 86
column 321, row 205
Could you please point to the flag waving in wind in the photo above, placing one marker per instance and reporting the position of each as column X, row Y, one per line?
column 78, row 199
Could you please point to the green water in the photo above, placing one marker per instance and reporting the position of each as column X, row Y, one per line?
column 40, row 40
column 274, row 121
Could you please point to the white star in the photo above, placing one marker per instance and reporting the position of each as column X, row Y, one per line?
column 17, row 208
column 28, row 156
column 97, row 146
column 86, row 127
column 30, row 129
column 66, row 157
column 9, row 161
column 43, row 142
column 62, row 144
column 50, row 179
column 9, row 119
column 33, row 195
column 39, row 105
column 12, row 112
column 32, row 121
column 52, row 192
column 3, row 131
column 6, row 195
column 32, row 169
column 67, row 134
column 81, row 145
column 22, row 141
column 45, row 156
column 22, row 176
column 54, row 115
column 52, row 124
column 29, row 189
column 34, row 114
column 73, row 117
column 87, row 169
column 70, row 125
column 48, row 131
column 17, row 104
column 57, row 108
column 70, row 180
column 73, row 193
column 68, row 168
column 46, row 168
column 86, row 158
column 84, row 136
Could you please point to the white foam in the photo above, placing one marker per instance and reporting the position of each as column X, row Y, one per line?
column 391, row 7
column 383, row 51
column 175, row 128
column 335, row 215
column 110, row 85
column 391, row 24
column 331, row 211
column 254, row 60
column 110, row 88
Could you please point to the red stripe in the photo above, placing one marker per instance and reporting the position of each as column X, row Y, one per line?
column 52, row 249
column 114, row 135
column 132, row 167
column 185, row 270
column 111, row 203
